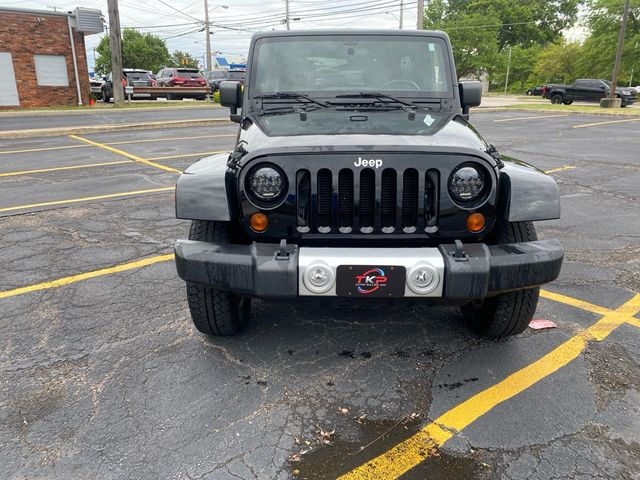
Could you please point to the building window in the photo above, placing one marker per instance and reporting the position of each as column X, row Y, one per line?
column 51, row 70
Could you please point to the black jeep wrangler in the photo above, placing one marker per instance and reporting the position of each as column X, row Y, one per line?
column 356, row 174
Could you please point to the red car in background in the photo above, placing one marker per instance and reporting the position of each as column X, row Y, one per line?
column 181, row 77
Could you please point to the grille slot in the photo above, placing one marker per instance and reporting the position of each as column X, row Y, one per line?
column 345, row 198
column 325, row 192
column 367, row 198
column 303, row 197
column 388, row 198
column 431, row 197
column 410, row 198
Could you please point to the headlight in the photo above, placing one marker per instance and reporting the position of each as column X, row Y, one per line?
column 467, row 183
column 267, row 184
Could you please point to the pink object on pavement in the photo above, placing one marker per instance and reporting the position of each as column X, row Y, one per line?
column 542, row 324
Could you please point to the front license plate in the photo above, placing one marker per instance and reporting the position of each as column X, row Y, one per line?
column 370, row 281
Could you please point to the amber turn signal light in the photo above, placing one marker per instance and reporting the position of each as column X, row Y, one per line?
column 259, row 222
column 475, row 222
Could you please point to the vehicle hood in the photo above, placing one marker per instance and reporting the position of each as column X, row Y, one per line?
column 331, row 131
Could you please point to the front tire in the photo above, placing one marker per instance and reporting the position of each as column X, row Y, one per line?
column 557, row 99
column 568, row 102
column 214, row 312
column 509, row 313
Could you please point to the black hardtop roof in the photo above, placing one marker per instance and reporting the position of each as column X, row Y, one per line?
column 375, row 32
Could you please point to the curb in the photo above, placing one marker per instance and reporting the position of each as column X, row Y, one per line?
column 56, row 132
column 50, row 113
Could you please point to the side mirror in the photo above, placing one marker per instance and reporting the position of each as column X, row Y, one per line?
column 231, row 96
column 470, row 95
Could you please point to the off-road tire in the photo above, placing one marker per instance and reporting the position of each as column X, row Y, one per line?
column 508, row 313
column 567, row 102
column 214, row 312
column 105, row 99
column 557, row 99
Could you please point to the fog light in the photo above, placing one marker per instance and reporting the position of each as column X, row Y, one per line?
column 423, row 279
column 259, row 222
column 318, row 278
column 475, row 222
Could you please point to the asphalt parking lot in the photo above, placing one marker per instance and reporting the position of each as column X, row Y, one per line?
column 103, row 376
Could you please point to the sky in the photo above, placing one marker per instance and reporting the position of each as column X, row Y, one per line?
column 179, row 21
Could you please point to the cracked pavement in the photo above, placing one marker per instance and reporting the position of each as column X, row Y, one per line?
column 107, row 377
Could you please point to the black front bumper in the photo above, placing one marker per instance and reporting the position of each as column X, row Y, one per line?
column 271, row 271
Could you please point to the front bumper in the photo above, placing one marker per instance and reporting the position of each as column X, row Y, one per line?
column 272, row 271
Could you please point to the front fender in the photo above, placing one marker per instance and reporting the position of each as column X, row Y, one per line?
column 526, row 193
column 201, row 192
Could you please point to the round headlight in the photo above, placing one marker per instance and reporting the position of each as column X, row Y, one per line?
column 266, row 184
column 467, row 183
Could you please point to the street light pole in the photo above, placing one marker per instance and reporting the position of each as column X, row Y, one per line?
column 287, row 14
column 506, row 80
column 401, row 13
column 616, row 65
column 612, row 101
column 420, row 22
column 116, row 52
column 207, row 30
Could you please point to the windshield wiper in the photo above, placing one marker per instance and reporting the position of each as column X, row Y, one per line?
column 382, row 97
column 300, row 97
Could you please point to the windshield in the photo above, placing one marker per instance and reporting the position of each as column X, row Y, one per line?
column 415, row 66
column 189, row 74
column 137, row 75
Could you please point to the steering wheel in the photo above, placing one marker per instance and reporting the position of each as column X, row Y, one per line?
column 411, row 83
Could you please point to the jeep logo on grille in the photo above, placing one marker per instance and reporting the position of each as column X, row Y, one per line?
column 363, row 162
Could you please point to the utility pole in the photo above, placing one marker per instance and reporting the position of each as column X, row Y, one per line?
column 207, row 30
column 116, row 52
column 401, row 13
column 420, row 22
column 287, row 20
column 506, row 80
column 612, row 101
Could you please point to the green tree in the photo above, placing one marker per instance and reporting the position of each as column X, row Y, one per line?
column 603, row 21
column 558, row 63
column 516, row 22
column 521, row 68
column 145, row 51
column 182, row 59
column 475, row 49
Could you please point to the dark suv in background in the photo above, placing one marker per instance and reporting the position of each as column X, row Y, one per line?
column 216, row 76
column 130, row 77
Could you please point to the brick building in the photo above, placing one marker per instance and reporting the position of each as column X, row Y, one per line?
column 41, row 63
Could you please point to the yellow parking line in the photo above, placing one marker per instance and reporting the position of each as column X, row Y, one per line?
column 561, row 169
column 85, row 199
column 584, row 125
column 43, row 149
column 574, row 302
column 412, row 451
column 57, row 169
column 135, row 158
column 126, row 142
column 633, row 321
column 187, row 155
column 531, row 118
column 85, row 276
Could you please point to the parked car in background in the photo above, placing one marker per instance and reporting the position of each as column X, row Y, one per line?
column 181, row 77
column 130, row 77
column 216, row 76
column 537, row 90
column 588, row 90
column 95, row 86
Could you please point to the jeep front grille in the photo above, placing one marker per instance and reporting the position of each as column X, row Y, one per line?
column 367, row 201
